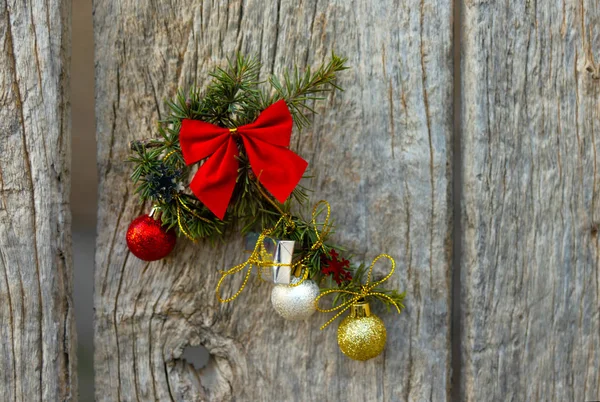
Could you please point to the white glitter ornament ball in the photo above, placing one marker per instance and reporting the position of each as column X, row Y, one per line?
column 295, row 302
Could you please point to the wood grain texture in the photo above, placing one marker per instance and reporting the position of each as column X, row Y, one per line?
column 37, row 331
column 379, row 153
column 530, row 267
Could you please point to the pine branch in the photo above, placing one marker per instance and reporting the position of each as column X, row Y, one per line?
column 234, row 97
column 298, row 89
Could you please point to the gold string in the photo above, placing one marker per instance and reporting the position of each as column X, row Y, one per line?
column 180, row 202
column 169, row 155
column 185, row 232
column 320, row 236
column 190, row 210
column 366, row 290
column 326, row 226
column 256, row 260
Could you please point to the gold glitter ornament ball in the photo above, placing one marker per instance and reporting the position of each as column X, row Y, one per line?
column 361, row 335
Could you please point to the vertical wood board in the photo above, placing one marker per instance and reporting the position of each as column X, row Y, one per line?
column 379, row 154
column 530, row 264
column 37, row 328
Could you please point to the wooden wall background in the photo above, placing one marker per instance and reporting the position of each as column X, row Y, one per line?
column 522, row 105
column 380, row 154
column 37, row 328
column 530, row 262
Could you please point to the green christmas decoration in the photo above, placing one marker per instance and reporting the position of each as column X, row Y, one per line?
column 221, row 162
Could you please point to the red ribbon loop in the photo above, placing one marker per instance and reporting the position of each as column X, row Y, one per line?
column 266, row 142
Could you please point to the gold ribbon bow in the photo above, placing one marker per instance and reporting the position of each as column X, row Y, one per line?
column 256, row 259
column 366, row 290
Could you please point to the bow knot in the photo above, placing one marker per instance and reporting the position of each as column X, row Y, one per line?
column 265, row 142
column 234, row 133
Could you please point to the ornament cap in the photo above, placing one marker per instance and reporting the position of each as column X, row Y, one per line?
column 298, row 271
column 360, row 309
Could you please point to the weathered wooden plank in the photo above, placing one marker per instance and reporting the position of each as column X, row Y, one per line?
column 379, row 153
column 37, row 331
column 531, row 279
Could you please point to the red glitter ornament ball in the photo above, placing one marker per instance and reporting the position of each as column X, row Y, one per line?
column 148, row 240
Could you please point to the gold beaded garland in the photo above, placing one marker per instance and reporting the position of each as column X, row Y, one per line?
column 361, row 335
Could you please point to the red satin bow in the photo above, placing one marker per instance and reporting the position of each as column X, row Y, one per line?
column 266, row 140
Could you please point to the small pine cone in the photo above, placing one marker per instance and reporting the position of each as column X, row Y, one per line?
column 251, row 175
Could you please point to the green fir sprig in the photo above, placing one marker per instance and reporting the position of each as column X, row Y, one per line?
column 235, row 97
column 299, row 89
